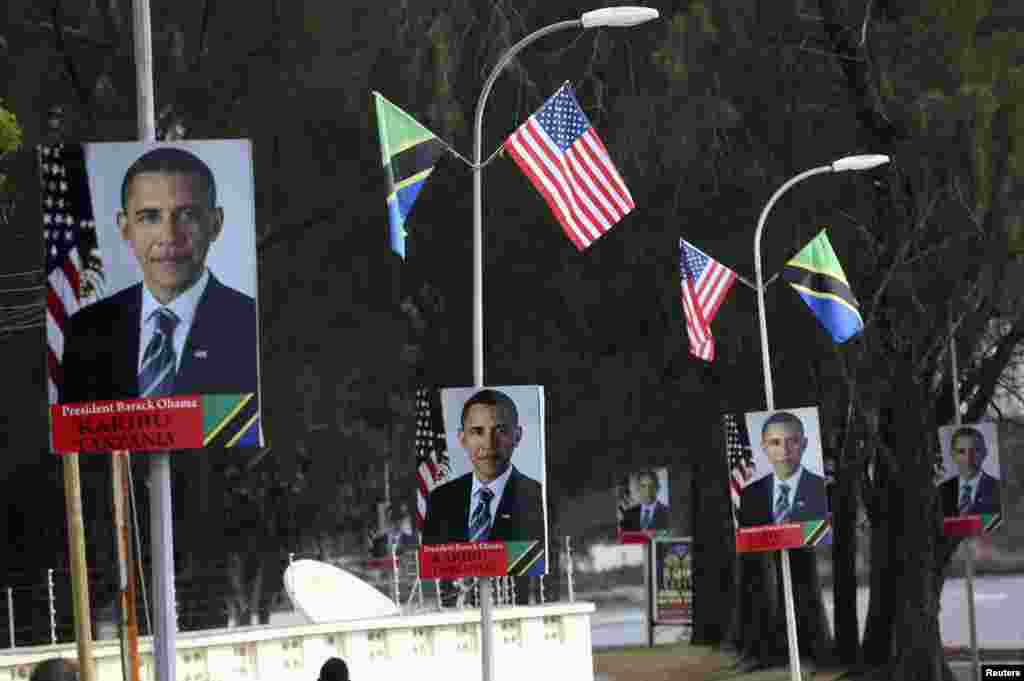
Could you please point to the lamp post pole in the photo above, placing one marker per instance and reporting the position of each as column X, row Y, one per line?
column 843, row 164
column 609, row 16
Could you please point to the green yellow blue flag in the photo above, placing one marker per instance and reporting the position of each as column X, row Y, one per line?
column 818, row 277
column 410, row 152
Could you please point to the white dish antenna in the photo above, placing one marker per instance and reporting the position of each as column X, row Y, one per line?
column 325, row 593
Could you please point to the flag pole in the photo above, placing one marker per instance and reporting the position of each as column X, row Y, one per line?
column 766, row 362
column 161, row 519
column 969, row 549
column 486, row 606
column 79, row 567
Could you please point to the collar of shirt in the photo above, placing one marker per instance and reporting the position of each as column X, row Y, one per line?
column 184, row 306
column 497, row 486
column 973, row 482
column 793, row 482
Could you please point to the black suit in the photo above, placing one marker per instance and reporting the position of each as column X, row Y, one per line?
column 757, row 505
column 631, row 517
column 519, row 516
column 101, row 348
column 986, row 499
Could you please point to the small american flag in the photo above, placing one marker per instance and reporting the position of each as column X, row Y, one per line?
column 73, row 268
column 740, row 458
column 704, row 284
column 432, row 465
column 569, row 165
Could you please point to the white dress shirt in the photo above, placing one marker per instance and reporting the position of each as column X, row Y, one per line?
column 973, row 482
column 497, row 486
column 184, row 307
column 792, row 483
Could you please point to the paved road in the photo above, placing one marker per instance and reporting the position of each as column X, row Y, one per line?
column 999, row 601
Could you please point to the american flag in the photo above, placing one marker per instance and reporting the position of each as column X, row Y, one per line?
column 72, row 264
column 569, row 165
column 704, row 284
column 432, row 465
column 740, row 458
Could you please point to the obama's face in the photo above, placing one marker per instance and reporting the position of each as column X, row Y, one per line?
column 968, row 454
column 489, row 435
column 784, row 445
column 169, row 223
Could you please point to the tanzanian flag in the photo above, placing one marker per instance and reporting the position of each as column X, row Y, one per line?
column 818, row 277
column 410, row 152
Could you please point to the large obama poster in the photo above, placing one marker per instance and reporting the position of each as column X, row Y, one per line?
column 161, row 350
column 488, row 517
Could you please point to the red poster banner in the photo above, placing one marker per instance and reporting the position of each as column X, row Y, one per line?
column 139, row 425
column 962, row 526
column 451, row 561
column 769, row 538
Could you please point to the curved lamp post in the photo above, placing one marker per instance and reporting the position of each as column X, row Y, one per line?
column 608, row 16
column 865, row 162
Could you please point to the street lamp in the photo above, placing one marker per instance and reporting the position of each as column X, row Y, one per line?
column 608, row 16
column 864, row 162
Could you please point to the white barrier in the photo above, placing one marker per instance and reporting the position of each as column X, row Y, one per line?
column 539, row 642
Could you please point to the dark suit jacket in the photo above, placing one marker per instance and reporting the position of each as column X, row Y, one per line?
column 519, row 516
column 757, row 504
column 101, row 347
column 631, row 517
column 985, row 501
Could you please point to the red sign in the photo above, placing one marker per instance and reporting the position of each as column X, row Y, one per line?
column 146, row 424
column 769, row 537
column 962, row 526
column 635, row 536
column 451, row 561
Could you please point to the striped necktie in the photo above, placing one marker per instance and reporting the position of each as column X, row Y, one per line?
column 480, row 522
column 782, row 505
column 158, row 363
column 965, row 498
column 645, row 518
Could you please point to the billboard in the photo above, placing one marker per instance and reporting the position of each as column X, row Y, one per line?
column 970, row 486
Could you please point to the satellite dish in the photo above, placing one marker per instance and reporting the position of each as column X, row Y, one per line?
column 325, row 593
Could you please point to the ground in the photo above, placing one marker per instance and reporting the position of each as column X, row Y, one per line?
column 683, row 662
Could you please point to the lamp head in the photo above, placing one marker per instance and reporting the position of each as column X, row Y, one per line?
column 863, row 162
column 618, row 16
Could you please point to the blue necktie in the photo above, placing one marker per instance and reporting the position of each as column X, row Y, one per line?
column 158, row 363
column 480, row 522
column 782, row 505
column 965, row 498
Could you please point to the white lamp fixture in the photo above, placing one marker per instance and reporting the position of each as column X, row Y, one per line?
column 865, row 162
column 618, row 16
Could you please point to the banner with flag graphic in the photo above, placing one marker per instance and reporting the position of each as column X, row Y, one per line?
column 560, row 152
column 432, row 465
column 818, row 277
column 155, row 346
column 409, row 153
column 704, row 283
column 740, row 459
column 643, row 506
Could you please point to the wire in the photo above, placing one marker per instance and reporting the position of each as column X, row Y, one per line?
column 20, row 274
column 22, row 290
column 138, row 546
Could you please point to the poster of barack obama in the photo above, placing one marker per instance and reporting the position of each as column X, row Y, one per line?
column 971, row 478
column 788, row 484
column 496, row 485
column 176, row 313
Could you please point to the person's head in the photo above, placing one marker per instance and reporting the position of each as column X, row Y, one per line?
column 647, row 486
column 55, row 669
column 334, row 669
column 968, row 450
column 169, row 216
column 490, row 432
column 783, row 442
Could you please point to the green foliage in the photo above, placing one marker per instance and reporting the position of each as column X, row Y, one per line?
column 10, row 141
column 687, row 35
column 445, row 50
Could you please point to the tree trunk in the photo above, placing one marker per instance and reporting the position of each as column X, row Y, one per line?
column 844, row 563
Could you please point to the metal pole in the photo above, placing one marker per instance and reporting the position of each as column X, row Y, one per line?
column 569, row 569
column 649, row 593
column 486, row 608
column 10, row 614
column 53, row 610
column 969, row 548
column 119, row 463
column 161, row 523
column 787, row 577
